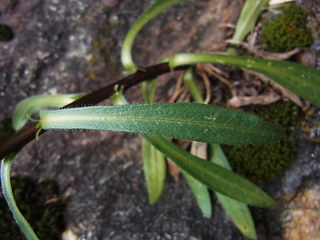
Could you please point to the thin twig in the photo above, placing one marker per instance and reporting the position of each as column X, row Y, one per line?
column 178, row 89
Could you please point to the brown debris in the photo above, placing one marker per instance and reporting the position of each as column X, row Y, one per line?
column 181, row 93
column 207, row 69
column 264, row 54
column 263, row 99
column 199, row 149
column 284, row 92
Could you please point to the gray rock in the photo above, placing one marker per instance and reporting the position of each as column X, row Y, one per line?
column 74, row 46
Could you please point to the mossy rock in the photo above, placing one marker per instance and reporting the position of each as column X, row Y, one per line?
column 261, row 162
column 40, row 205
column 287, row 30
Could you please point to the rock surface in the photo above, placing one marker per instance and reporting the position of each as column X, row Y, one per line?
column 74, row 46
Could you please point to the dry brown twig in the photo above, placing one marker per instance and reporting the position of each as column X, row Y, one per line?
column 263, row 99
column 284, row 91
column 180, row 93
column 207, row 69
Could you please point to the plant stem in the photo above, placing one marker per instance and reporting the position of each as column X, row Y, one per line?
column 153, row 11
column 25, row 135
column 8, row 195
column 192, row 86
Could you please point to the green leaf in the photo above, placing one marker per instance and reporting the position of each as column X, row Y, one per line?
column 192, row 86
column 199, row 190
column 154, row 167
column 302, row 80
column 118, row 97
column 30, row 105
column 6, row 187
column 191, row 121
column 148, row 89
column 212, row 175
column 237, row 211
column 201, row 194
column 153, row 11
column 154, row 163
column 248, row 17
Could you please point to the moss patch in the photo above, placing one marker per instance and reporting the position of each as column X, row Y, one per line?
column 39, row 204
column 259, row 163
column 287, row 30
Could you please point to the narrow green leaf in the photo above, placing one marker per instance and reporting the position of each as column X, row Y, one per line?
column 118, row 97
column 191, row 121
column 212, row 175
column 153, row 11
column 8, row 195
column 238, row 211
column 148, row 89
column 302, row 80
column 199, row 190
column 248, row 17
column 154, row 167
column 191, row 85
column 30, row 105
column 201, row 194
column 154, row 162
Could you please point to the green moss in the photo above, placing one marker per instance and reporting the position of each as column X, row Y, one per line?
column 287, row 30
column 39, row 205
column 259, row 163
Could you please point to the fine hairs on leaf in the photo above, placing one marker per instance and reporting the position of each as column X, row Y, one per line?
column 190, row 121
column 28, row 106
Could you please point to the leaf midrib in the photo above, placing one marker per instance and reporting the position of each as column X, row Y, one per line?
column 169, row 120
